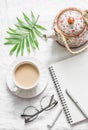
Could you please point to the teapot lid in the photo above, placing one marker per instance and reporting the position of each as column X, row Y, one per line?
column 70, row 22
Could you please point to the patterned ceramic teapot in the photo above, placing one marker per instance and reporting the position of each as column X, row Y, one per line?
column 70, row 29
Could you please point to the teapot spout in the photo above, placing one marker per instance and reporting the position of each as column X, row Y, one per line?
column 50, row 34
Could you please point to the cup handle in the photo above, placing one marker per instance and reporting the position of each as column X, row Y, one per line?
column 85, row 16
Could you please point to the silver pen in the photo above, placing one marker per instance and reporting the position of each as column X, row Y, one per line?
column 55, row 119
column 76, row 103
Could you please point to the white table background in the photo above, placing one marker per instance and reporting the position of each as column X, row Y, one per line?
column 11, row 106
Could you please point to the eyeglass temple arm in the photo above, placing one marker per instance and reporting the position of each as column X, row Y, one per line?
column 52, row 97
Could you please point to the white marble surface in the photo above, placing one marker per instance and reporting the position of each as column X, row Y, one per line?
column 11, row 106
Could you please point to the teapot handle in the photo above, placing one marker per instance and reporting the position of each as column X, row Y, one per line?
column 67, row 46
column 85, row 16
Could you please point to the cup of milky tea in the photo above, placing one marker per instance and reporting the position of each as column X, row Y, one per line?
column 26, row 75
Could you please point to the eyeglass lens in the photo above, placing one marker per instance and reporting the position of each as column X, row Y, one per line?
column 30, row 113
column 48, row 102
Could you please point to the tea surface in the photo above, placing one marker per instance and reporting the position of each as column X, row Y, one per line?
column 26, row 75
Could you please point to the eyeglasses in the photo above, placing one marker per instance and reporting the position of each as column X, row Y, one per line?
column 30, row 113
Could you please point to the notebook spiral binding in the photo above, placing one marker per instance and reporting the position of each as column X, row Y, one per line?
column 60, row 94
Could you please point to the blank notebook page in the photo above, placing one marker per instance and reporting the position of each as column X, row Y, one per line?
column 72, row 74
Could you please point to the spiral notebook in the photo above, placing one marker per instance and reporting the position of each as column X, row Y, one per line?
column 72, row 74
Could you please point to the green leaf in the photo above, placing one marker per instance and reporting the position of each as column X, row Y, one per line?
column 23, row 28
column 27, row 19
column 18, row 49
column 12, row 30
column 35, row 40
column 13, row 49
column 36, row 20
column 24, row 34
column 20, row 21
column 9, row 43
column 16, row 33
column 12, row 41
column 31, row 41
column 38, row 32
column 40, row 27
column 27, row 44
column 22, row 47
column 33, row 17
column 10, row 33
column 13, row 38
column 22, row 24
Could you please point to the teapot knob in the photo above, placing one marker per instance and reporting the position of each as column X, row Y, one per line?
column 71, row 20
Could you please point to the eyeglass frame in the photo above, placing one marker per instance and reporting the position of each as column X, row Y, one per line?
column 50, row 106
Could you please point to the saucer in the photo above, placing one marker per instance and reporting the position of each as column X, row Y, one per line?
column 42, row 84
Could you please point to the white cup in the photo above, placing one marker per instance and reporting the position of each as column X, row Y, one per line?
column 17, row 86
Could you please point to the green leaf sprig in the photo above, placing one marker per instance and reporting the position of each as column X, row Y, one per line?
column 25, row 34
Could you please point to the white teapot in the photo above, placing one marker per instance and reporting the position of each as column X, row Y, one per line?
column 70, row 29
